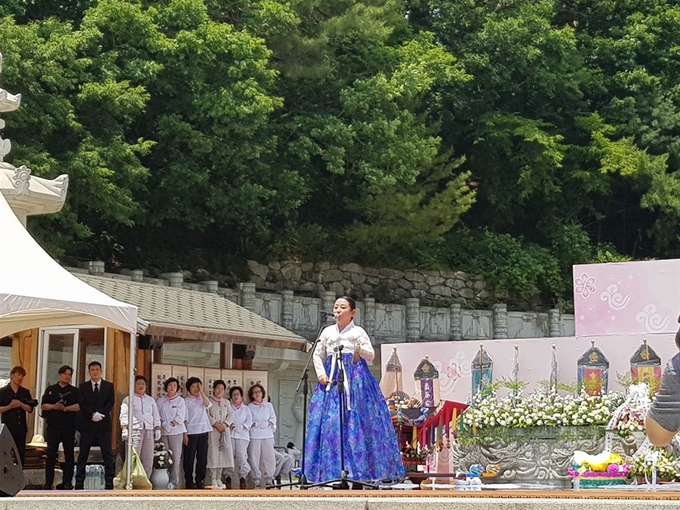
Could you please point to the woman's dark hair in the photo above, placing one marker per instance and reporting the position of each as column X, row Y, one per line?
column 191, row 381
column 141, row 378
column 218, row 382
column 257, row 385
column 169, row 381
column 352, row 303
column 233, row 389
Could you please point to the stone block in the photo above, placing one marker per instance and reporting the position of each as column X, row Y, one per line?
column 258, row 269
column 434, row 280
column 440, row 290
column 462, row 275
column 307, row 266
column 371, row 280
column 402, row 293
column 352, row 268
column 413, row 276
column 394, row 274
column 346, row 284
column 322, row 266
column 371, row 271
column 357, row 278
column 458, row 284
column 292, row 271
column 431, row 273
column 275, row 266
column 332, row 275
column 479, row 285
column 309, row 286
column 337, row 288
column 418, row 293
column 448, row 274
column 256, row 280
column 367, row 288
column 421, row 286
column 485, row 294
column 405, row 284
column 467, row 293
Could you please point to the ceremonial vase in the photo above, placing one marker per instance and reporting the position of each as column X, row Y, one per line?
column 159, row 479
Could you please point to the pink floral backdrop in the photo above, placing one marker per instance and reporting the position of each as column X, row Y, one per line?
column 627, row 298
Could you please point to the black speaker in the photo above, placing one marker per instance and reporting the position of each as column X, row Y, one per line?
column 11, row 473
column 149, row 343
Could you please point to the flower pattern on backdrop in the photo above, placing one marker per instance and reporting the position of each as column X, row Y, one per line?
column 584, row 285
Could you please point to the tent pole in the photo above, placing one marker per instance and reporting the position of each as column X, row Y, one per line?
column 131, row 393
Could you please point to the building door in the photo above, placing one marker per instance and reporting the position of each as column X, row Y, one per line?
column 75, row 347
column 58, row 348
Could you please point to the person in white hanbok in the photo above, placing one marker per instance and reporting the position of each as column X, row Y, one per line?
column 261, row 448
column 240, row 438
column 220, row 451
column 146, row 423
column 173, row 411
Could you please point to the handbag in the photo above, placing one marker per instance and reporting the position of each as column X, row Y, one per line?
column 139, row 479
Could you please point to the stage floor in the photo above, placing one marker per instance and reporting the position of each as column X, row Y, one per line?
column 287, row 494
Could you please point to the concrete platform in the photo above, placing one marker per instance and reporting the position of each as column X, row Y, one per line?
column 587, row 499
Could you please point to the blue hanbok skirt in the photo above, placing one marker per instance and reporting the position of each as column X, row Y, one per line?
column 370, row 442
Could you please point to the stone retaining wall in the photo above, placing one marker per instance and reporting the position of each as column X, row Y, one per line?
column 386, row 285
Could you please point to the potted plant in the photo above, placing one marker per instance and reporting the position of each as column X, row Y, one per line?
column 162, row 461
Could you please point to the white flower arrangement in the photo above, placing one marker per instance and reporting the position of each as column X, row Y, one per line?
column 540, row 409
column 162, row 458
column 656, row 459
column 630, row 416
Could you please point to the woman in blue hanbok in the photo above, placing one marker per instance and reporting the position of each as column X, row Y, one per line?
column 370, row 444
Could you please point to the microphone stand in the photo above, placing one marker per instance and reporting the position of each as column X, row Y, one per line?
column 303, row 384
column 342, row 483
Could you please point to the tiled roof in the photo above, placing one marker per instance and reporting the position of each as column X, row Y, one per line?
column 194, row 315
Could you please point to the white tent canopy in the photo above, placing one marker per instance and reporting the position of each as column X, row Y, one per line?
column 35, row 291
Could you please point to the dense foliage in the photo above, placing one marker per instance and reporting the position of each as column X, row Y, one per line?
column 512, row 138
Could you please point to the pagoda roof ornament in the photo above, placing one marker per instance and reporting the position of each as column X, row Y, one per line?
column 26, row 195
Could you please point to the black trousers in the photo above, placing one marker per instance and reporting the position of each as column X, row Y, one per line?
column 54, row 436
column 88, row 439
column 19, row 436
column 196, row 449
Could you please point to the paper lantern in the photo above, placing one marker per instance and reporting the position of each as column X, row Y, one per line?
column 645, row 366
column 427, row 379
column 593, row 371
column 482, row 371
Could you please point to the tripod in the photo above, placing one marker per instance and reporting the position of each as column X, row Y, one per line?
column 343, row 482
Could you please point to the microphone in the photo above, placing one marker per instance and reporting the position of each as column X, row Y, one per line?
column 327, row 315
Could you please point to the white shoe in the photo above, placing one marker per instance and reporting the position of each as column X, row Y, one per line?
column 216, row 484
column 171, row 486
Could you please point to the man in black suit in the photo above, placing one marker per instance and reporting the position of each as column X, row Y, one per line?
column 96, row 399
